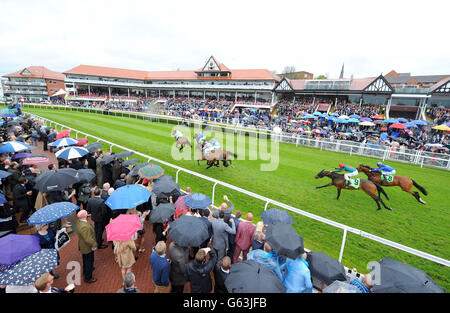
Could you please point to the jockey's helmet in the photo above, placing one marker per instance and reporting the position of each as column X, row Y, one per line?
column 341, row 164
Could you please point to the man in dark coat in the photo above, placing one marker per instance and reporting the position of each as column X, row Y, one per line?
column 97, row 208
column 91, row 161
column 198, row 272
column 221, row 271
column 120, row 182
column 22, row 199
column 45, row 139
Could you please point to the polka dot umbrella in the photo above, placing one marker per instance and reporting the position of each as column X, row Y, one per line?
column 52, row 212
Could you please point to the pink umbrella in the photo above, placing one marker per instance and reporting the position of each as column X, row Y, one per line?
column 82, row 141
column 63, row 134
column 398, row 125
column 123, row 227
column 180, row 207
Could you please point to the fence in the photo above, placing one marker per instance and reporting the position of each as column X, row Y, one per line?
column 422, row 158
column 267, row 201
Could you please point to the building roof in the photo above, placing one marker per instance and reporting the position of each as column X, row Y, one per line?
column 439, row 84
column 404, row 78
column 92, row 70
column 37, row 72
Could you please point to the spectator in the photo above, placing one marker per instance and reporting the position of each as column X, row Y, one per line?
column 259, row 237
column 365, row 285
column 244, row 238
column 297, row 277
column 205, row 219
column 221, row 271
column 8, row 222
column 227, row 210
column 86, row 244
column 128, row 284
column 44, row 285
column 231, row 237
column 198, row 272
column 220, row 234
column 160, row 268
column 179, row 257
column 97, row 208
column 120, row 182
column 22, row 199
column 124, row 255
column 47, row 239
column 269, row 258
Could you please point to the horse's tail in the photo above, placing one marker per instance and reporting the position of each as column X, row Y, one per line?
column 420, row 188
column 380, row 189
column 232, row 154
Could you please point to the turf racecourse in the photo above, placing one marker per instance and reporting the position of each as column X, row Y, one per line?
column 423, row 227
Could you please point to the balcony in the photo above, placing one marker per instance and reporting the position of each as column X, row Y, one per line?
column 20, row 83
column 412, row 90
column 26, row 92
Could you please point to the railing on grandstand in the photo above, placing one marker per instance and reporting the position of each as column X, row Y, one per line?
column 267, row 201
column 422, row 158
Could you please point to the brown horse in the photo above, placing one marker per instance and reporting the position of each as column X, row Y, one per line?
column 369, row 187
column 181, row 142
column 403, row 182
column 215, row 156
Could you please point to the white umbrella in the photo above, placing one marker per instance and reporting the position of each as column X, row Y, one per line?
column 61, row 92
column 345, row 117
column 367, row 123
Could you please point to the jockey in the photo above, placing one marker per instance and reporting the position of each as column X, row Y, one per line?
column 215, row 144
column 207, row 148
column 178, row 134
column 385, row 170
column 345, row 168
column 200, row 138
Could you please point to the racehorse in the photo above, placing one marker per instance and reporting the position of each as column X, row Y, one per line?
column 182, row 141
column 369, row 187
column 403, row 182
column 215, row 156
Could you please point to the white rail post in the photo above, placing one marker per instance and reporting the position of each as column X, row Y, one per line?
column 265, row 207
column 344, row 238
column 213, row 193
column 176, row 176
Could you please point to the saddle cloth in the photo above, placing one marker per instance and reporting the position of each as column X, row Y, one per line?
column 387, row 178
column 354, row 182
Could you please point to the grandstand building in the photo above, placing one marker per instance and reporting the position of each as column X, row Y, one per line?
column 33, row 84
column 213, row 81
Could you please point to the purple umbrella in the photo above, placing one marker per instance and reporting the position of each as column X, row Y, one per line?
column 14, row 248
column 21, row 155
column 366, row 119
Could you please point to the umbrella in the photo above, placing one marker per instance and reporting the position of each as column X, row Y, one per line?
column 86, row 175
column 129, row 162
column 165, row 186
column 151, row 171
column 367, row 119
column 179, row 204
column 440, row 127
column 344, row 117
column 28, row 270
column 325, row 268
column 355, row 116
column 123, row 227
column 14, row 248
column 56, row 180
column 64, row 142
column 197, row 201
column 137, row 167
column 397, row 277
column 341, row 287
column 21, row 155
column 13, row 146
column 82, row 142
column 63, row 133
column 434, row 145
column 273, row 216
column 52, row 212
column 318, row 114
column 92, row 147
column 162, row 212
column 35, row 160
column 419, row 122
column 71, row 153
column 188, row 231
column 335, row 114
column 398, row 125
column 353, row 120
column 2, row 198
column 108, row 159
column 251, row 277
column 410, row 125
column 377, row 117
column 285, row 240
column 391, row 120
column 402, row 120
column 4, row 174
column 128, row 197
column 125, row 154
column 367, row 123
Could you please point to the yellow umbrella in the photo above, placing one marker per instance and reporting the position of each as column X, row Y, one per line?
column 441, row 127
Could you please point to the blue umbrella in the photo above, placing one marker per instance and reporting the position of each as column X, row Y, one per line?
column 318, row 114
column 2, row 198
column 21, row 155
column 52, row 212
column 71, row 153
column 391, row 120
column 368, row 119
column 353, row 120
column 402, row 120
column 420, row 122
column 335, row 114
column 354, row 116
column 64, row 142
column 13, row 146
column 28, row 270
column 276, row 216
column 197, row 201
column 410, row 125
column 14, row 248
column 341, row 121
column 128, row 197
column 4, row 174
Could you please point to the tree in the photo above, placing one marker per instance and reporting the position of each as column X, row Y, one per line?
column 289, row 69
column 321, row 77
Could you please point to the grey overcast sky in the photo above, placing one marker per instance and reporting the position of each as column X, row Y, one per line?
column 370, row 37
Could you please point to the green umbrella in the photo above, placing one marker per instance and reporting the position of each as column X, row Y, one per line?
column 151, row 172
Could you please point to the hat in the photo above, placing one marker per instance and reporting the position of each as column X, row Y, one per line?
column 379, row 164
column 341, row 164
column 145, row 181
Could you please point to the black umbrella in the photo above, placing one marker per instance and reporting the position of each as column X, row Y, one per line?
column 57, row 179
column 165, row 186
column 125, row 154
column 188, row 231
column 108, row 159
column 130, row 162
column 397, row 277
column 251, row 277
column 137, row 167
column 92, row 147
column 273, row 216
column 325, row 268
column 86, row 175
column 162, row 212
column 285, row 240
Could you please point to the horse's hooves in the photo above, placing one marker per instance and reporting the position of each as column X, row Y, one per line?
column 390, row 209
column 378, row 209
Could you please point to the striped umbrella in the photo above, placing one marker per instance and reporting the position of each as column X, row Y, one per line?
column 64, row 142
column 13, row 146
column 71, row 153
column 151, row 172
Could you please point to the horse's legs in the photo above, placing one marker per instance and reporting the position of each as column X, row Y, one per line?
column 414, row 193
column 211, row 164
column 198, row 162
column 231, row 164
column 386, row 207
column 327, row 185
column 339, row 193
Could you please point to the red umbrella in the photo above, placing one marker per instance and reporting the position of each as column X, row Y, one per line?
column 82, row 141
column 63, row 134
column 180, row 207
column 383, row 128
column 377, row 117
column 398, row 125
